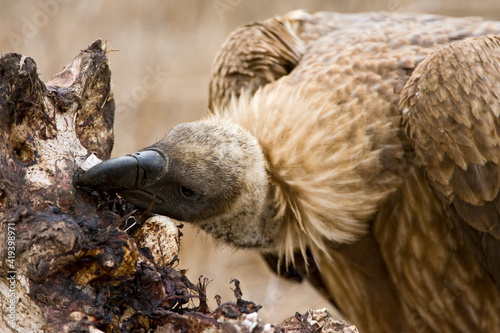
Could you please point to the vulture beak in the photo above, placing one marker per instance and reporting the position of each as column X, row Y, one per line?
column 137, row 177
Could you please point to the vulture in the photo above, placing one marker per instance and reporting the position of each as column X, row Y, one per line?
column 360, row 152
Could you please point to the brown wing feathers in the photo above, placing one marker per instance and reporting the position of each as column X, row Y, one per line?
column 253, row 55
column 451, row 108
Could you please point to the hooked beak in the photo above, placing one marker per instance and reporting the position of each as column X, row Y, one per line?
column 133, row 176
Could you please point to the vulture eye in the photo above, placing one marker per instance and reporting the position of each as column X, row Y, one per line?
column 189, row 193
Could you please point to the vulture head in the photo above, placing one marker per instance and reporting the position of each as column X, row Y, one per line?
column 282, row 162
column 211, row 173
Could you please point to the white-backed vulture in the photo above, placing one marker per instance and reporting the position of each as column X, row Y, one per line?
column 359, row 151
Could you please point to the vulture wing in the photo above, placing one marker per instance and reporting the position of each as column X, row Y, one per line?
column 246, row 61
column 452, row 115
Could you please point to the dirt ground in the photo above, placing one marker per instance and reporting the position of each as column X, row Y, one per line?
column 164, row 50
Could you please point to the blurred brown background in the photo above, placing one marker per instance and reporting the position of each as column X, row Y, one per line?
column 160, row 76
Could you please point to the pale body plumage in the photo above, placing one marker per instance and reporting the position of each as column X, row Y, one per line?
column 304, row 157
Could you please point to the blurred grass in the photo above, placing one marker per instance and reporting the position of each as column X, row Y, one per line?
column 160, row 77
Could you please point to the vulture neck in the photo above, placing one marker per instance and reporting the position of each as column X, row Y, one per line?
column 327, row 178
column 252, row 225
column 247, row 220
